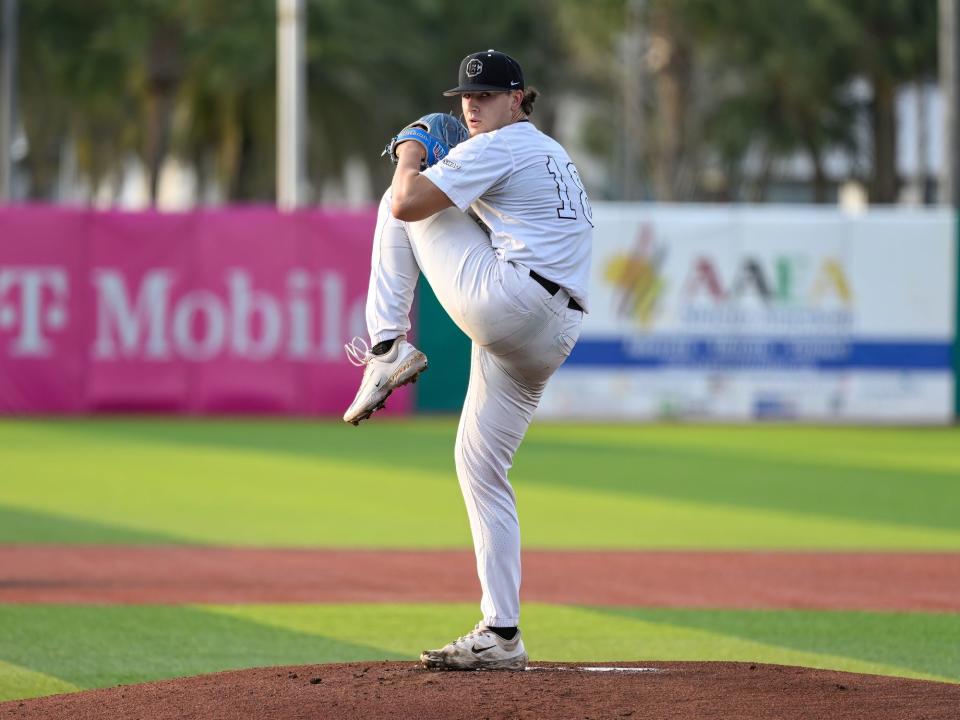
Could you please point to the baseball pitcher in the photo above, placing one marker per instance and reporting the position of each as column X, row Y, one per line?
column 517, row 286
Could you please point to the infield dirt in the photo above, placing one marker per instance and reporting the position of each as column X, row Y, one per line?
column 752, row 579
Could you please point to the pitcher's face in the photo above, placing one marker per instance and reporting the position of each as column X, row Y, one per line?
column 489, row 110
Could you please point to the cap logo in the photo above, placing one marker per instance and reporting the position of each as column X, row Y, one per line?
column 474, row 68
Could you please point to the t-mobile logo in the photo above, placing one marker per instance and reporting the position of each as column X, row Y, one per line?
column 33, row 303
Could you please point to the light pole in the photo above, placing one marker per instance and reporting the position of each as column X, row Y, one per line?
column 949, row 27
column 291, row 107
column 8, row 96
column 633, row 69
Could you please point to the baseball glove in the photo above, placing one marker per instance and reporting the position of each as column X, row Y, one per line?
column 437, row 132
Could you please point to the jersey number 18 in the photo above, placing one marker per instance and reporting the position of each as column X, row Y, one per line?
column 566, row 210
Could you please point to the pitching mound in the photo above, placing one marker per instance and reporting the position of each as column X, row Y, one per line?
column 546, row 690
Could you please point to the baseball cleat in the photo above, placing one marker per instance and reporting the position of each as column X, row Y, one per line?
column 480, row 649
column 382, row 374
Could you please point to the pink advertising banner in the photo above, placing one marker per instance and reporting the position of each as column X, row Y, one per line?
column 228, row 312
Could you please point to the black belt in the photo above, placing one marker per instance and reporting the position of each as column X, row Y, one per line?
column 551, row 287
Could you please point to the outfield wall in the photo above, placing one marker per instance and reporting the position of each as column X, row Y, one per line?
column 741, row 313
column 727, row 313
column 232, row 311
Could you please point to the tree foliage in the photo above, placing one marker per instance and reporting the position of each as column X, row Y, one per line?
column 727, row 89
column 732, row 88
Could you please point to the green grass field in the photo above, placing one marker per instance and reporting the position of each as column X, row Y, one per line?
column 288, row 483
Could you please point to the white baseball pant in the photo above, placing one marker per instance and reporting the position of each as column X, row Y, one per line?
column 521, row 335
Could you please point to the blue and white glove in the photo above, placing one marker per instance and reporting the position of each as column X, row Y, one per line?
column 436, row 132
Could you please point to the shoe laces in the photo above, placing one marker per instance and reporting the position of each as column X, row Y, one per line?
column 476, row 632
column 358, row 352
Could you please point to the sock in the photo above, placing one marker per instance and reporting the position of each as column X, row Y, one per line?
column 507, row 633
column 382, row 347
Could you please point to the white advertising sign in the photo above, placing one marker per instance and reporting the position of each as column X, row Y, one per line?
column 738, row 313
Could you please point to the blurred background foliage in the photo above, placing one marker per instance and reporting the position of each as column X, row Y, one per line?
column 676, row 97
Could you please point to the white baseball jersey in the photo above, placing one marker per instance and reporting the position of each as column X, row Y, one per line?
column 522, row 184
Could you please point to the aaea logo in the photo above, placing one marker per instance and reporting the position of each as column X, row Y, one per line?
column 807, row 287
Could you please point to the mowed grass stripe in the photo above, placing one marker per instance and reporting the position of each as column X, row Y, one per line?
column 931, row 449
column 923, row 644
column 918, row 645
column 282, row 515
column 24, row 525
column 392, row 485
column 102, row 646
column 760, row 482
column 427, row 442
column 99, row 646
column 17, row 682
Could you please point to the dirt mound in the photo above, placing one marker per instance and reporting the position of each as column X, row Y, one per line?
column 547, row 690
